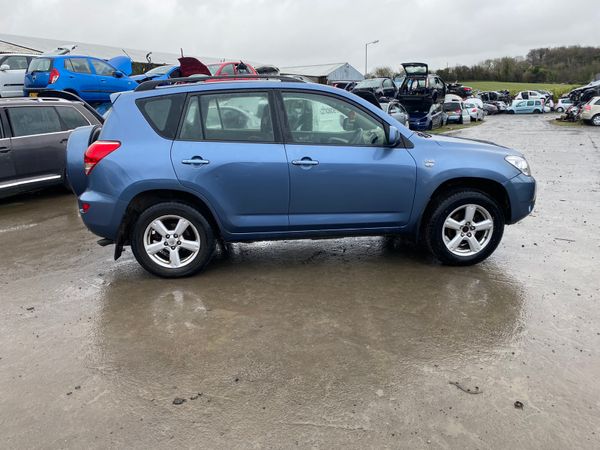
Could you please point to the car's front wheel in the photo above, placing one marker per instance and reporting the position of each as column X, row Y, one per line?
column 172, row 240
column 596, row 120
column 464, row 227
column 559, row 109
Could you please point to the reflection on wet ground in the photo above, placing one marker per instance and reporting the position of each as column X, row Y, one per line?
column 330, row 343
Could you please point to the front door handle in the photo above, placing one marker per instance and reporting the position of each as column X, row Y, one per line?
column 196, row 160
column 4, row 149
column 305, row 162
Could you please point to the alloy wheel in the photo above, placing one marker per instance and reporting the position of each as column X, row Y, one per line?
column 468, row 230
column 171, row 241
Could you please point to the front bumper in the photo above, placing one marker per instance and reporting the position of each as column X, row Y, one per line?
column 522, row 195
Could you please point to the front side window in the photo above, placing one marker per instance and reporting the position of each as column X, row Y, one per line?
column 240, row 116
column 321, row 119
column 520, row 104
column 102, row 68
column 71, row 117
column 78, row 65
column 388, row 84
column 15, row 62
column 31, row 120
column 227, row 70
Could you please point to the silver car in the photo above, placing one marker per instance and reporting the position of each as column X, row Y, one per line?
column 12, row 73
column 397, row 111
column 475, row 111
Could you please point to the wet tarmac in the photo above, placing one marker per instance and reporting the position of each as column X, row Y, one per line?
column 348, row 343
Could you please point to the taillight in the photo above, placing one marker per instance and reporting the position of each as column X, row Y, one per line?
column 474, row 110
column 457, row 111
column 54, row 74
column 587, row 107
column 97, row 151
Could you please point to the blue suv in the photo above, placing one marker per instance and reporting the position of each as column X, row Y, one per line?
column 92, row 79
column 175, row 168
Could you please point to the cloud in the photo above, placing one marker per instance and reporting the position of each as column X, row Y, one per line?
column 288, row 32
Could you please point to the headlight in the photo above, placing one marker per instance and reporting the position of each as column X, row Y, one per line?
column 520, row 163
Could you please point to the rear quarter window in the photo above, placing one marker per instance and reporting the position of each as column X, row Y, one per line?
column 71, row 118
column 162, row 113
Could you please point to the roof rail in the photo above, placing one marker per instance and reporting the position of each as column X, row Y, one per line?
column 153, row 84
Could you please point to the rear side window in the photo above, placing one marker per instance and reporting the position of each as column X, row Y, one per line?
column 71, row 117
column 78, row 65
column 162, row 113
column 237, row 117
column 31, row 120
column 40, row 65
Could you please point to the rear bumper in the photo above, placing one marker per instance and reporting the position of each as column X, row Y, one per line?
column 104, row 214
column 522, row 195
column 29, row 90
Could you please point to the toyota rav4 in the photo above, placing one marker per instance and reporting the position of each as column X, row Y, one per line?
column 180, row 164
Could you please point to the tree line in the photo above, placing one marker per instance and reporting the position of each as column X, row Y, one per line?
column 572, row 65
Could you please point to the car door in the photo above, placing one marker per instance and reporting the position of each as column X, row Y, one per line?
column 110, row 80
column 229, row 150
column 342, row 173
column 13, row 75
column 82, row 79
column 389, row 89
column 38, row 142
column 7, row 167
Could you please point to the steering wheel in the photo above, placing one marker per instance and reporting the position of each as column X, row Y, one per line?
column 357, row 137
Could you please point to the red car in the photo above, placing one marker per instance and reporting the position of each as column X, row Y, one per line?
column 232, row 68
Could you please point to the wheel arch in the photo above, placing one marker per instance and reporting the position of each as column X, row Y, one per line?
column 485, row 185
column 145, row 199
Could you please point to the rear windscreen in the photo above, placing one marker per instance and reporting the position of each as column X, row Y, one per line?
column 40, row 65
column 452, row 106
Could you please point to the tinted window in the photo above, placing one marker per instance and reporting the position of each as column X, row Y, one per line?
column 102, row 68
column 597, row 102
column 530, row 103
column 78, row 65
column 452, row 106
column 162, row 113
column 15, row 62
column 320, row 119
column 71, row 117
column 40, row 65
column 29, row 120
column 241, row 116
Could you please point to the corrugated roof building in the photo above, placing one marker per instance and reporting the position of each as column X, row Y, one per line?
column 325, row 73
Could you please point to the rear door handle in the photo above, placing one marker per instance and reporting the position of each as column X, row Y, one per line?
column 305, row 162
column 196, row 160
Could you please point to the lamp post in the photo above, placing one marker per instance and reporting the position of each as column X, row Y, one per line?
column 367, row 54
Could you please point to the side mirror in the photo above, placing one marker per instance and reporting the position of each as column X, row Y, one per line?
column 118, row 74
column 394, row 137
column 4, row 67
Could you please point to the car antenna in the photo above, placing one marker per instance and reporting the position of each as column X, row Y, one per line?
column 181, row 49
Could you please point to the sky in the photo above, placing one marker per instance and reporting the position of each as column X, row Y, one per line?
column 303, row 32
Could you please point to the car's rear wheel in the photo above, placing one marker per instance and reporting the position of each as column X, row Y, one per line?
column 559, row 109
column 464, row 228
column 537, row 111
column 596, row 120
column 510, row 111
column 172, row 240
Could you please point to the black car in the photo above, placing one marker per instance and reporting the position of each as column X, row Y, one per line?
column 33, row 140
column 421, row 86
column 381, row 87
column 460, row 90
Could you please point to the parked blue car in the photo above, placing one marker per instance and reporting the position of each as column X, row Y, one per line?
column 423, row 116
column 159, row 73
column 174, row 169
column 92, row 79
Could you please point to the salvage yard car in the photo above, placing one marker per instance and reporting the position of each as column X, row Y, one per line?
column 170, row 191
column 590, row 113
column 381, row 87
column 526, row 107
column 91, row 79
column 12, row 73
column 33, row 141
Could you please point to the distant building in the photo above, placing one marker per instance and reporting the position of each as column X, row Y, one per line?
column 325, row 73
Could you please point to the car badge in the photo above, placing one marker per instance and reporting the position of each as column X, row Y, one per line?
column 429, row 163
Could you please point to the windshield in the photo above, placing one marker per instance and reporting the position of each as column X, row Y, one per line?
column 160, row 70
column 370, row 83
column 40, row 65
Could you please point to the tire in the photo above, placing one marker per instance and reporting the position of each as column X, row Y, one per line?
column 510, row 111
column 560, row 109
column 537, row 111
column 453, row 246
column 596, row 120
column 180, row 257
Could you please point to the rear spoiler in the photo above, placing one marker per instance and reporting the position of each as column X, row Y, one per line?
column 51, row 93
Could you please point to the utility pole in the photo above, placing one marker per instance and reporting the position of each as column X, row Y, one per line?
column 367, row 55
